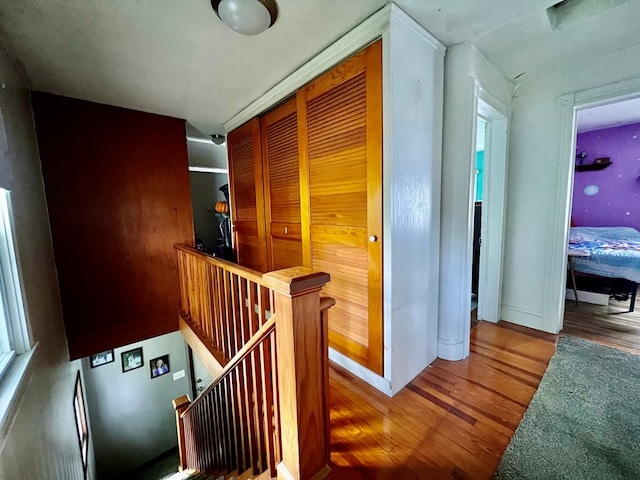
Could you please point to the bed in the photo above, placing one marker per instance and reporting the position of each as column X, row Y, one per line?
column 611, row 252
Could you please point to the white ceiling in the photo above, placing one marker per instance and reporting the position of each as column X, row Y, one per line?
column 612, row 115
column 176, row 58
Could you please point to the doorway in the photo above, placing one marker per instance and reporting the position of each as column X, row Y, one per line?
column 488, row 210
column 568, row 107
column 605, row 185
column 209, row 178
column 477, row 190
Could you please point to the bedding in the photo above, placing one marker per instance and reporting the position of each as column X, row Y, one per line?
column 613, row 252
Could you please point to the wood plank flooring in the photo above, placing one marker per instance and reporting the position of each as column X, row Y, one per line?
column 452, row 421
column 610, row 325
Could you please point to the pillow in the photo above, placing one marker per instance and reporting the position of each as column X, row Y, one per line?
column 590, row 234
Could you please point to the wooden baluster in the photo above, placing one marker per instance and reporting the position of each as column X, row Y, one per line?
column 218, row 429
column 325, row 304
column 180, row 404
column 230, row 339
column 214, row 303
column 258, row 409
column 275, row 402
column 253, row 300
column 268, row 375
column 219, row 310
column 208, row 299
column 181, row 275
column 300, row 364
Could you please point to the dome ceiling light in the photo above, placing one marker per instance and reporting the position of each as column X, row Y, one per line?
column 249, row 17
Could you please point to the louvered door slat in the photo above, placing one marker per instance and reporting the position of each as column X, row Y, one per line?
column 342, row 123
column 282, row 186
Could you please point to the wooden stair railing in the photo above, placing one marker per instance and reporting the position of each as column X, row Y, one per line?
column 215, row 298
column 267, row 413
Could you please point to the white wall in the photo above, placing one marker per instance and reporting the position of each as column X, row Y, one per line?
column 466, row 70
column 533, row 182
column 207, row 155
column 42, row 441
column 412, row 85
column 133, row 420
column 413, row 62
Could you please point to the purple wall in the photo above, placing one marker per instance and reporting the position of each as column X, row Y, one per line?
column 617, row 201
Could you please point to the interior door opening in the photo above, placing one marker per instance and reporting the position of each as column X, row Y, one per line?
column 477, row 190
column 209, row 180
column 489, row 208
column 602, row 284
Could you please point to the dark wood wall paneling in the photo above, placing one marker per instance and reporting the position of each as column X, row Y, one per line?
column 117, row 186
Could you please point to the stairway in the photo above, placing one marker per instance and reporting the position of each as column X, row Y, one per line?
column 193, row 475
column 189, row 475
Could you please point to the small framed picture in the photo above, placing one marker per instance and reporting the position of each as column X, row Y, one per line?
column 81, row 422
column 131, row 359
column 159, row 366
column 101, row 358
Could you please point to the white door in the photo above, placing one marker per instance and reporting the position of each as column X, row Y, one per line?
column 201, row 376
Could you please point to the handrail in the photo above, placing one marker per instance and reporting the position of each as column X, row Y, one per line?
column 245, row 272
column 259, row 336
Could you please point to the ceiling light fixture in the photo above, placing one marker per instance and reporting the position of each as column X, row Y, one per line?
column 218, row 139
column 249, row 17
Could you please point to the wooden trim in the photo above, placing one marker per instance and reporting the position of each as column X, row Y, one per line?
column 355, row 351
column 305, row 192
column 355, row 40
column 207, row 355
column 234, row 268
column 180, row 404
column 260, row 197
column 343, row 72
column 259, row 336
column 373, row 59
column 300, row 384
column 295, row 281
column 325, row 304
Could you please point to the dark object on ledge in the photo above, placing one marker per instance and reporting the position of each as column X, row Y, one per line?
column 598, row 164
column 619, row 288
column 224, row 248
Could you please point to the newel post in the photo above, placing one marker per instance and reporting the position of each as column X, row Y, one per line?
column 301, row 363
column 180, row 404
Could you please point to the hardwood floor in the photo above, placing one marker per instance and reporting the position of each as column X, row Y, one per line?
column 611, row 325
column 452, row 421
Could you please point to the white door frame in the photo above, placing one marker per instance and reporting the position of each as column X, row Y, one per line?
column 568, row 105
column 493, row 206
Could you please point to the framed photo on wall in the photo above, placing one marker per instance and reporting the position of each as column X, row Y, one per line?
column 131, row 359
column 81, row 422
column 101, row 358
column 159, row 366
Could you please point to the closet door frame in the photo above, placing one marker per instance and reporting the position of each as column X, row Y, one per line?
column 368, row 61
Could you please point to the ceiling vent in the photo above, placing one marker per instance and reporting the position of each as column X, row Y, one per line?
column 571, row 12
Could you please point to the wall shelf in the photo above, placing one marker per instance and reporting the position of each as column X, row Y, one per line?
column 599, row 164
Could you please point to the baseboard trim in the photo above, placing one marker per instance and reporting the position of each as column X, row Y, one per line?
column 521, row 316
column 363, row 373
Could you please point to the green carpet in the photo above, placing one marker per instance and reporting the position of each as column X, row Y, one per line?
column 584, row 420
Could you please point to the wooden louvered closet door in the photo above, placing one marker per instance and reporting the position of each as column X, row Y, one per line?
column 280, row 161
column 247, row 199
column 340, row 132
